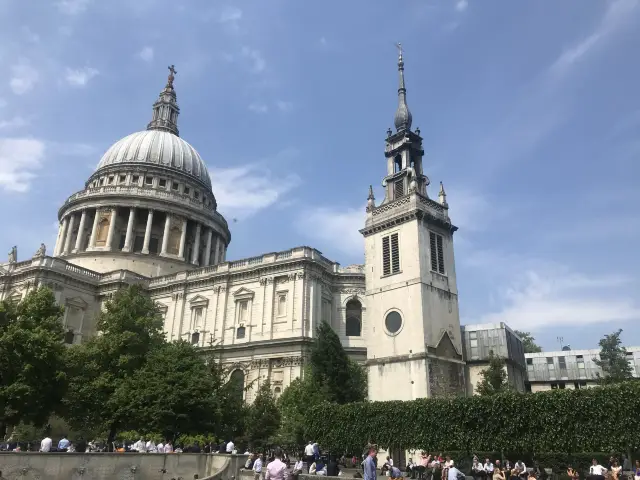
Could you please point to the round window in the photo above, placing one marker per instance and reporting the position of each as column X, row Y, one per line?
column 393, row 322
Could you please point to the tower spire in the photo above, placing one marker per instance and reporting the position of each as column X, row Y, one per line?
column 165, row 109
column 402, row 118
column 442, row 196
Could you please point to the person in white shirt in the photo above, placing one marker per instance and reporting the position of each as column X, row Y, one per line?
column 596, row 470
column 160, row 447
column 230, row 446
column 308, row 455
column 151, row 447
column 297, row 468
column 488, row 468
column 168, row 448
column 257, row 468
column 139, row 446
column 45, row 444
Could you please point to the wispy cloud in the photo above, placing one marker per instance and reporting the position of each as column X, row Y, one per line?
column 461, row 5
column 243, row 191
column 616, row 16
column 334, row 227
column 79, row 77
column 72, row 7
column 258, row 108
column 15, row 122
column 230, row 15
column 23, row 78
column 146, row 54
column 536, row 300
column 258, row 63
column 19, row 159
column 284, row 106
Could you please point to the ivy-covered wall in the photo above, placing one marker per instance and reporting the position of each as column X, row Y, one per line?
column 602, row 419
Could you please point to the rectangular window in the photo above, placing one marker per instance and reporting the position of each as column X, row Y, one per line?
column 110, row 180
column 398, row 189
column 562, row 363
column 148, row 180
column 197, row 319
column 153, row 245
column 174, row 186
column 437, row 253
column 102, row 181
column 196, row 195
column 529, row 361
column 122, row 178
column 390, row 254
column 162, row 183
column 186, row 190
column 282, row 304
column 135, row 180
column 473, row 343
column 243, row 312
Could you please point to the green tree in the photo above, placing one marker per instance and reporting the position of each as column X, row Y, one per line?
column 129, row 328
column 528, row 342
column 263, row 418
column 331, row 367
column 294, row 403
column 494, row 377
column 171, row 393
column 32, row 377
column 613, row 360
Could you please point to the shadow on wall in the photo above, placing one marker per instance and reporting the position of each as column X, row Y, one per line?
column 118, row 466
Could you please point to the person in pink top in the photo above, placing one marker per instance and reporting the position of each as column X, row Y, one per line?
column 277, row 470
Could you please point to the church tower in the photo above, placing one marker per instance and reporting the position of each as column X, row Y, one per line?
column 414, row 347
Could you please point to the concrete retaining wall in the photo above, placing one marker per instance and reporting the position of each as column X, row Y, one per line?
column 118, row 466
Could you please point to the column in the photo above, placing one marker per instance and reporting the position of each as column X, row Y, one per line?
column 94, row 229
column 196, row 244
column 67, row 240
column 183, row 237
column 65, row 225
column 80, row 239
column 58, row 247
column 216, row 252
column 147, row 233
column 112, row 228
column 207, row 251
column 128, row 239
column 165, row 236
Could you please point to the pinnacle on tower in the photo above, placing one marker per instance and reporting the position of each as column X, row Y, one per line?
column 442, row 196
column 165, row 109
column 402, row 119
column 371, row 200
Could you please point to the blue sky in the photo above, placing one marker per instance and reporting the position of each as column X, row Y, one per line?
column 530, row 112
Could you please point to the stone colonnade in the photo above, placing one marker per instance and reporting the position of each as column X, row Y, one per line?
column 173, row 237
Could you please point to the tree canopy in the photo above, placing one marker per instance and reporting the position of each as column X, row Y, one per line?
column 32, row 377
column 494, row 377
column 528, row 342
column 129, row 328
column 613, row 360
column 263, row 417
column 331, row 367
column 172, row 393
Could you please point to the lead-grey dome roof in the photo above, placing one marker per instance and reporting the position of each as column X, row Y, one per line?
column 157, row 147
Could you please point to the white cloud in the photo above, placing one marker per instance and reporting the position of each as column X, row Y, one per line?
column 19, row 158
column 334, row 226
column 146, row 54
column 243, row 191
column 258, row 63
column 616, row 15
column 23, row 78
column 540, row 299
column 15, row 122
column 81, row 76
column 461, row 5
column 284, row 106
column 72, row 7
column 230, row 15
column 258, row 108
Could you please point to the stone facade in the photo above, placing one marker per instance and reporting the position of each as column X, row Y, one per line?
column 148, row 216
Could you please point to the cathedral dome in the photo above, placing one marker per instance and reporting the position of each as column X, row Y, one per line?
column 160, row 148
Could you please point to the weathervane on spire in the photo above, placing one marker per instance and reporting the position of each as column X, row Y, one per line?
column 400, row 50
column 172, row 73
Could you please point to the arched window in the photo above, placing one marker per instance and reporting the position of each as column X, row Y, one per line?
column 354, row 318
column 397, row 164
column 69, row 337
column 195, row 338
column 277, row 391
column 237, row 382
column 240, row 332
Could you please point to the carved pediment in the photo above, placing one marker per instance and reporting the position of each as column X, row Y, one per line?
column 199, row 301
column 76, row 302
column 446, row 348
column 243, row 294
